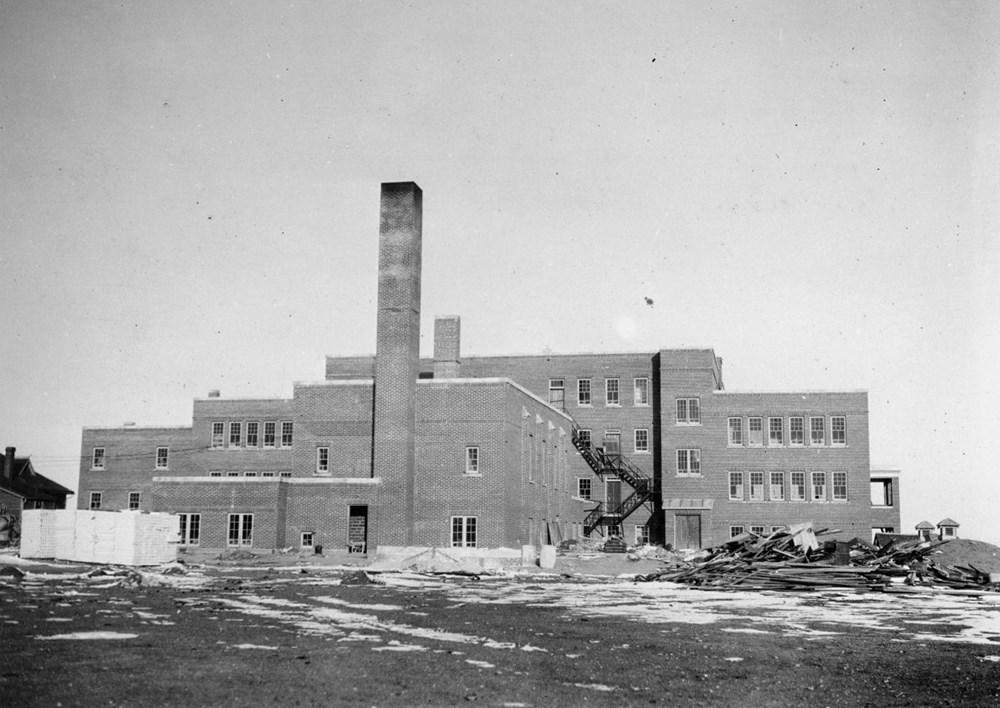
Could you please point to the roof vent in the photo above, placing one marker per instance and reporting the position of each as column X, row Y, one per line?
column 213, row 394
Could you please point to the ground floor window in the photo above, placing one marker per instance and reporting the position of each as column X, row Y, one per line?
column 759, row 530
column 95, row 500
column 641, row 535
column 133, row 501
column 463, row 531
column 240, row 530
column 583, row 488
column 307, row 539
column 190, row 529
column 735, row 531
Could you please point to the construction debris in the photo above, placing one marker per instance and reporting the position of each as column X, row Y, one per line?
column 797, row 560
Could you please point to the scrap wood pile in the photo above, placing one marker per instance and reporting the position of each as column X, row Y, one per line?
column 797, row 560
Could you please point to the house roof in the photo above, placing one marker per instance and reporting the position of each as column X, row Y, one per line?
column 925, row 525
column 947, row 522
column 31, row 485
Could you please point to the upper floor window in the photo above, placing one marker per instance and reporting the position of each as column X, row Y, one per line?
column 269, row 428
column 775, row 432
column 162, row 458
column 252, row 434
column 840, row 486
column 95, row 500
column 583, row 392
column 797, row 490
column 218, row 434
column 735, row 431
column 557, row 392
column 584, row 437
column 756, row 486
column 583, row 487
column 795, row 431
column 471, row 459
column 688, row 462
column 641, row 387
column 235, row 434
column 688, row 411
column 838, row 430
column 755, row 430
column 322, row 460
column 612, row 392
column 286, row 433
column 736, row 486
column 642, row 440
column 819, row 486
column 98, row 462
column 817, row 431
column 777, row 486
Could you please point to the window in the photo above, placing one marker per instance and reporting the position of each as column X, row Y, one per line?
column 269, row 433
column 249, row 474
column 240, row 530
column 307, row 539
column 735, row 531
column 584, row 437
column 735, row 431
column 214, row 474
column 322, row 460
column 98, row 461
column 688, row 411
column 218, row 435
column 642, row 440
column 612, row 392
column 463, row 531
column 583, row 392
column 190, row 529
column 736, row 487
column 797, row 492
column 817, row 432
column 267, row 474
column 232, row 474
column 796, row 436
column 95, row 500
column 557, row 392
column 471, row 459
column 284, row 474
column 840, row 486
column 641, row 388
column 756, row 486
column 642, row 535
column 133, row 501
column 583, row 488
column 613, row 442
column 755, row 431
column 759, row 530
column 162, row 454
column 235, row 434
column 286, row 433
column 688, row 463
column 881, row 491
column 777, row 486
column 252, row 429
column 838, row 430
column 776, row 529
column 819, row 486
column 775, row 432
column 947, row 532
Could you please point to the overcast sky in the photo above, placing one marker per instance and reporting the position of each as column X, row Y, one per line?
column 190, row 202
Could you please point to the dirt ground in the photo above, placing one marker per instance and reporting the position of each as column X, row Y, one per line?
column 317, row 631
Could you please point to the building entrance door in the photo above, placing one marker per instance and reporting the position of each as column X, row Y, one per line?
column 357, row 529
column 687, row 530
column 613, row 494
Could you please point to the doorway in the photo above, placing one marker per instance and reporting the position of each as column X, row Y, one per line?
column 357, row 529
column 687, row 530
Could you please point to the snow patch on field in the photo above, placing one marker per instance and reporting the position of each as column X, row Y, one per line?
column 91, row 635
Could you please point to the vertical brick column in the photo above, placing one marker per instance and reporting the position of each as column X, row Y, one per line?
column 397, row 355
column 447, row 336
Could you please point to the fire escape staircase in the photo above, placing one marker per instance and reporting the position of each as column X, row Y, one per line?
column 607, row 461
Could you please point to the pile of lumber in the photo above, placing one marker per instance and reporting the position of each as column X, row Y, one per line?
column 796, row 560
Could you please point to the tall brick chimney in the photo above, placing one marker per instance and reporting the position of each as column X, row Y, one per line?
column 447, row 344
column 397, row 353
column 8, row 467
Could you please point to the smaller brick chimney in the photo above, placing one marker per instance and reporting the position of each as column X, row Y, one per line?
column 8, row 467
column 447, row 345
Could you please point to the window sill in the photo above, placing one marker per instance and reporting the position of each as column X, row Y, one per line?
column 641, row 405
column 612, row 405
column 641, row 452
column 472, row 474
column 687, row 425
column 692, row 476
column 584, row 405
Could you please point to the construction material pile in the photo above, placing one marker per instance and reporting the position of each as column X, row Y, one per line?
column 797, row 560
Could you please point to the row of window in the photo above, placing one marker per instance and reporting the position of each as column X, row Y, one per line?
column 759, row 530
column 612, row 392
column 794, row 434
column 258, row 435
column 97, row 499
column 98, row 460
column 612, row 440
column 250, row 474
column 755, row 486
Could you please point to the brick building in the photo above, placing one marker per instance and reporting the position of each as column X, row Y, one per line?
column 393, row 449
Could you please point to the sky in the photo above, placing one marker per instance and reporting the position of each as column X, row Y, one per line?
column 189, row 201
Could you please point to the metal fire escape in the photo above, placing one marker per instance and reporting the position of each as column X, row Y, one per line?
column 607, row 461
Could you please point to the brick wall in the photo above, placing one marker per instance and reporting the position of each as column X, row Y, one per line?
column 323, row 509
column 336, row 415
